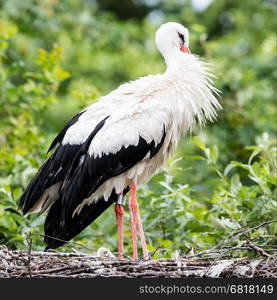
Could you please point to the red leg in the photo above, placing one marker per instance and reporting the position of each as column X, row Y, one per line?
column 133, row 224
column 119, row 212
column 142, row 238
column 136, row 218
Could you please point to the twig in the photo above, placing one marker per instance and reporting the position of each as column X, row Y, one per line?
column 67, row 243
column 158, row 249
column 258, row 249
column 228, row 240
column 253, row 228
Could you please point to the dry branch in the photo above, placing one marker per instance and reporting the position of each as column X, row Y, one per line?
column 79, row 265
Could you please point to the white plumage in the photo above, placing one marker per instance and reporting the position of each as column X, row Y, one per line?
column 152, row 111
column 141, row 108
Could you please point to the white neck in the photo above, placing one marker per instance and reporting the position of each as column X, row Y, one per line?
column 192, row 77
column 176, row 61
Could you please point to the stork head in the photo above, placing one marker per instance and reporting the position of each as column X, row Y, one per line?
column 172, row 37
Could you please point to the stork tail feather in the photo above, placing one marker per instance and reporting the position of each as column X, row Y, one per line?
column 57, row 233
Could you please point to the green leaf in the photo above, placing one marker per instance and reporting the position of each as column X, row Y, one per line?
column 197, row 157
column 214, row 153
column 198, row 143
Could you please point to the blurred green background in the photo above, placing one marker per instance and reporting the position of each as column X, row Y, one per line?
column 58, row 56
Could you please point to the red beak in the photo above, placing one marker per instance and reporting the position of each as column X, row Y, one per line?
column 185, row 49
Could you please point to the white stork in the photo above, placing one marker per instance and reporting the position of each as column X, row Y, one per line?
column 119, row 143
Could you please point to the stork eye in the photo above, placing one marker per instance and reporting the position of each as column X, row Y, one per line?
column 181, row 36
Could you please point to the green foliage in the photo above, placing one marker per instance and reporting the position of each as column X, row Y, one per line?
column 56, row 57
column 25, row 95
column 185, row 221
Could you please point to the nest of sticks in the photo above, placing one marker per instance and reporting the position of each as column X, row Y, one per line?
column 214, row 263
column 35, row 264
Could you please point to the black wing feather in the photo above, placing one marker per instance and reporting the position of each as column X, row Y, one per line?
column 89, row 173
column 55, row 169
column 60, row 136
column 56, row 234
column 51, row 172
